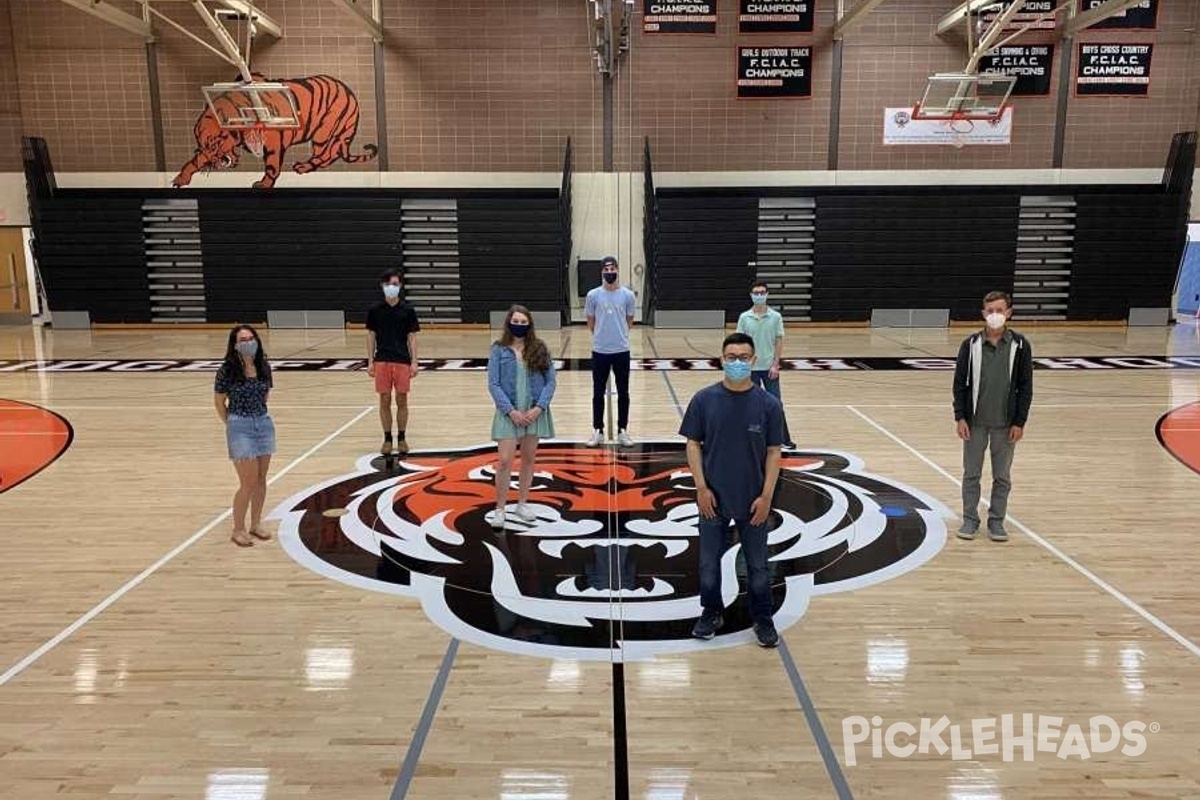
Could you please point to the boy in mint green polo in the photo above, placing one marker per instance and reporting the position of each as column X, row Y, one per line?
column 765, row 326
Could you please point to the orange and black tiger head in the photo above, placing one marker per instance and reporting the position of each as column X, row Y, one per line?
column 609, row 566
column 217, row 146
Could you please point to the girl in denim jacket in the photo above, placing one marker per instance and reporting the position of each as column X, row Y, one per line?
column 521, row 382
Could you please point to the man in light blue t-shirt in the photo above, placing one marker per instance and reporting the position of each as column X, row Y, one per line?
column 765, row 326
column 610, row 308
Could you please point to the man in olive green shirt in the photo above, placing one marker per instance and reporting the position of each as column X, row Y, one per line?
column 764, row 325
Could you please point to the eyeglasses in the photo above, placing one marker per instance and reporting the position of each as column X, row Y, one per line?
column 746, row 359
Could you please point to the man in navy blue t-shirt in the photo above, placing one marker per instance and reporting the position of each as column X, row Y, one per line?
column 735, row 432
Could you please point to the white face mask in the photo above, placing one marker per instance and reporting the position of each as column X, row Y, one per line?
column 996, row 320
column 391, row 290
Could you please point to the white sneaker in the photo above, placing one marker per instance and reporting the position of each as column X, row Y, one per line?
column 624, row 439
column 525, row 513
column 596, row 439
column 495, row 518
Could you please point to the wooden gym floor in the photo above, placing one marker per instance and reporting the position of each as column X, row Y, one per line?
column 145, row 656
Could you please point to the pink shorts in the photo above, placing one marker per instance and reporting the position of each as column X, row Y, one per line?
column 391, row 375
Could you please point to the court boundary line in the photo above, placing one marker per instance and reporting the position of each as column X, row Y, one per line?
column 824, row 747
column 1048, row 546
column 408, row 769
column 98, row 609
column 833, row 767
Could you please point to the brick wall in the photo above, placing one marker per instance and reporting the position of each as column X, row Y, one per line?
column 477, row 85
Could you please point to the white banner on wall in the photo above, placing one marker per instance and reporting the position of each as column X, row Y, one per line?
column 899, row 127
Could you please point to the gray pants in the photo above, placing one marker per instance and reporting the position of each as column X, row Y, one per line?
column 1002, row 456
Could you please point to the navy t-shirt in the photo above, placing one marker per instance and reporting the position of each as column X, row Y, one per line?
column 735, row 429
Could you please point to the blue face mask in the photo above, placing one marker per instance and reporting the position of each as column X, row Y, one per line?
column 518, row 331
column 758, row 299
column 737, row 371
column 391, row 291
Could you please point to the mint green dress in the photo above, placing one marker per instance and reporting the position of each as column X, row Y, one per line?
column 505, row 428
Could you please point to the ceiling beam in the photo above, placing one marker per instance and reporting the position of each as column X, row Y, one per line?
column 370, row 21
column 1101, row 12
column 114, row 16
column 261, row 21
column 993, row 33
column 963, row 13
column 232, row 50
column 855, row 16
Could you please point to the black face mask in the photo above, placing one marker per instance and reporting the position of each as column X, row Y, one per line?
column 518, row 331
column 611, row 277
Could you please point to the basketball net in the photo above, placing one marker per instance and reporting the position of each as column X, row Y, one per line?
column 253, row 138
column 960, row 127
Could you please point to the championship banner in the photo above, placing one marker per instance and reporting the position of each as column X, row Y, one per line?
column 772, row 72
column 1031, row 64
column 679, row 16
column 1140, row 16
column 1026, row 17
column 787, row 17
column 900, row 128
column 1121, row 70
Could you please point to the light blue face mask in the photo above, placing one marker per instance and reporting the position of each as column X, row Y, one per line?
column 737, row 371
column 758, row 299
column 391, row 291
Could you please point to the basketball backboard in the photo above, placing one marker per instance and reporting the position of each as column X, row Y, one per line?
column 252, row 105
column 960, row 95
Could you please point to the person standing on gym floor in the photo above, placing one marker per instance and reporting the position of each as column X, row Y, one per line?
column 240, row 393
column 734, row 433
column 392, row 328
column 764, row 325
column 993, row 389
column 610, row 309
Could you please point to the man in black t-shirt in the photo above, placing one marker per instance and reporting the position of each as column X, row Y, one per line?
column 392, row 327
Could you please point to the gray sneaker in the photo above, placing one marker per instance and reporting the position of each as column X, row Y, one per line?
column 967, row 531
column 707, row 626
column 996, row 532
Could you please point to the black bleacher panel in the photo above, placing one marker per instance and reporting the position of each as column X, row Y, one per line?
column 930, row 250
column 92, row 258
column 1127, row 253
column 703, row 250
column 510, row 251
column 277, row 251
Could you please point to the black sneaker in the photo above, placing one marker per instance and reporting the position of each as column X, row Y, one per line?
column 707, row 626
column 766, row 633
column 789, row 445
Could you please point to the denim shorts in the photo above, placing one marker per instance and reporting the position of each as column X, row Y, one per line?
column 249, row 437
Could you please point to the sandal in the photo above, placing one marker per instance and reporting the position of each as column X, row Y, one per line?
column 262, row 536
column 239, row 538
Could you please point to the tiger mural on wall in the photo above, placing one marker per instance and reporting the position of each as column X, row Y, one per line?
column 327, row 111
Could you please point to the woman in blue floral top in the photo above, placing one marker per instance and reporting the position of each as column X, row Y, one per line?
column 521, row 382
column 241, row 389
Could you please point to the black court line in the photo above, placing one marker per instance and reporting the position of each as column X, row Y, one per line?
column 832, row 765
column 409, row 769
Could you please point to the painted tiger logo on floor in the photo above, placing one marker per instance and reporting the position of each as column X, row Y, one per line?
column 327, row 111
column 608, row 568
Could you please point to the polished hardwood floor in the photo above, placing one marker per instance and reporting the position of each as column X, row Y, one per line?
column 145, row 656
